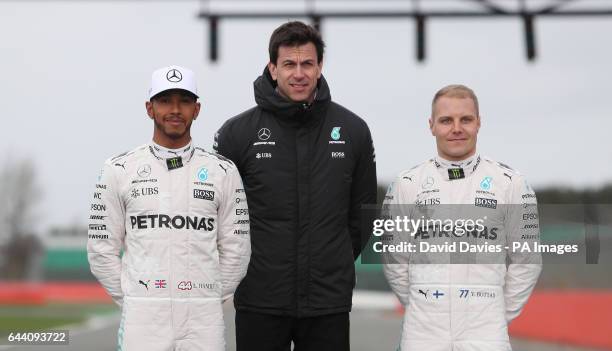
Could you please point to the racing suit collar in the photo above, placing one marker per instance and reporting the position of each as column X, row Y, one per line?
column 452, row 170
column 174, row 158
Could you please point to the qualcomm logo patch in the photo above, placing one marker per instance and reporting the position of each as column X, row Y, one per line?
column 202, row 174
column 485, row 184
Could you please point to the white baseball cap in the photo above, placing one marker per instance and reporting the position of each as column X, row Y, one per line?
column 173, row 77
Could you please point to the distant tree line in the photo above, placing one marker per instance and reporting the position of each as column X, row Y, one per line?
column 559, row 195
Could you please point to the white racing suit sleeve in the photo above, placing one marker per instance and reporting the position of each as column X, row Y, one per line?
column 522, row 226
column 106, row 233
column 233, row 236
column 395, row 264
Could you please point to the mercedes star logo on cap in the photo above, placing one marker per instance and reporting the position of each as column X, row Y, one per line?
column 264, row 134
column 174, row 76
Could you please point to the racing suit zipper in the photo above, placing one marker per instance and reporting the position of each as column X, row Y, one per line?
column 171, row 270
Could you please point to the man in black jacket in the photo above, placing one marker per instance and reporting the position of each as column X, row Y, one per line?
column 308, row 165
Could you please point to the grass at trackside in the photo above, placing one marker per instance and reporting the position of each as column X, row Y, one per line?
column 23, row 324
column 51, row 316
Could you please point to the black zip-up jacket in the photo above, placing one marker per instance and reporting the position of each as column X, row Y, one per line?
column 306, row 169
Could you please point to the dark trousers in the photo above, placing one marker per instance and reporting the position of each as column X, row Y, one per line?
column 265, row 332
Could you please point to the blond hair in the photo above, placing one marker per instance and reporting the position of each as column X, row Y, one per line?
column 455, row 91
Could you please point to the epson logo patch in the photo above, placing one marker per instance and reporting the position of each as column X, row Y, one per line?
column 530, row 216
column 337, row 154
column 488, row 203
column 204, row 194
column 242, row 211
column 98, row 207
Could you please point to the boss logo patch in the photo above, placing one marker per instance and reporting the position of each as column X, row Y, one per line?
column 488, row 203
column 204, row 194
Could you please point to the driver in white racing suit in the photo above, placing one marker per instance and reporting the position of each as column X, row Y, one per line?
column 452, row 306
column 179, row 216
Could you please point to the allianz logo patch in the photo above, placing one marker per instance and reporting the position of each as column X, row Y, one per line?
column 337, row 154
column 204, row 194
column 488, row 203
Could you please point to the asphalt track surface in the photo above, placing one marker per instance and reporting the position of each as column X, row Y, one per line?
column 370, row 330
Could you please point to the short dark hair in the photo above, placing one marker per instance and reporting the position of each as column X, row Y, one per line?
column 292, row 34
